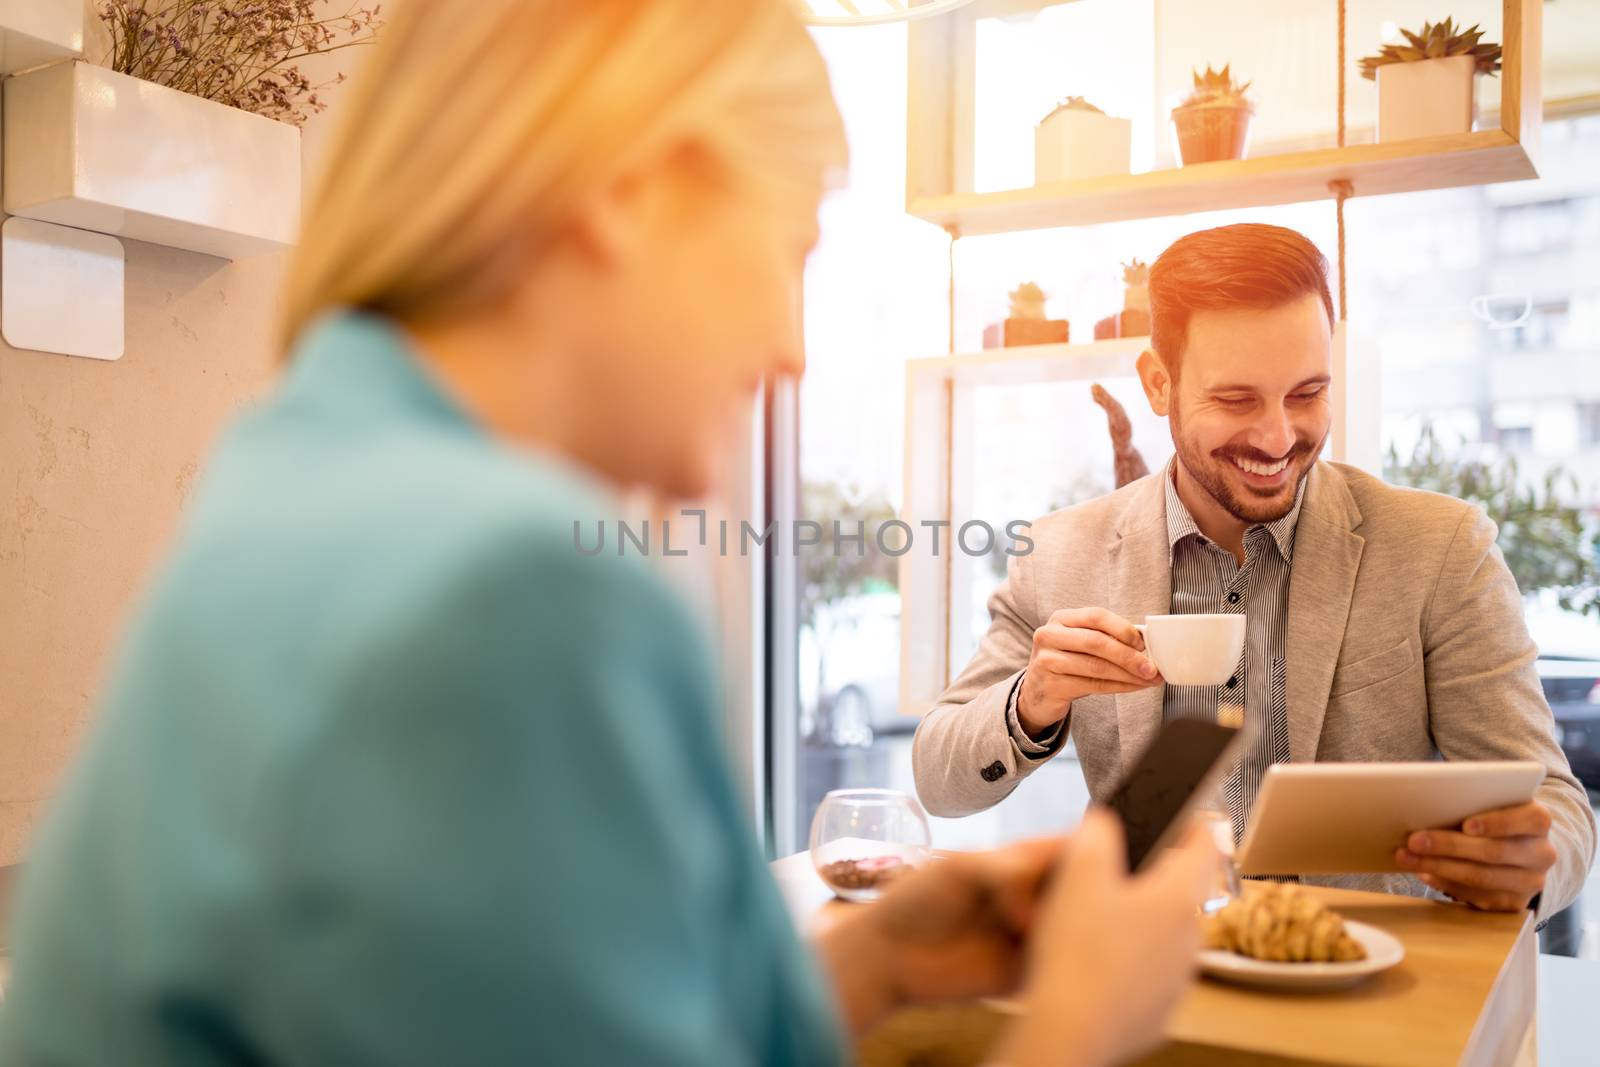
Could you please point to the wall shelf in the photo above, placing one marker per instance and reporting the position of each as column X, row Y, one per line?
column 941, row 146
column 1372, row 169
column 1033, row 364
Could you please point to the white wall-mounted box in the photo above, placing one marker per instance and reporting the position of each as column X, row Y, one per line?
column 35, row 32
column 90, row 148
column 61, row 290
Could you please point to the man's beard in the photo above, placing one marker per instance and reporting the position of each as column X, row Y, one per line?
column 1259, row 505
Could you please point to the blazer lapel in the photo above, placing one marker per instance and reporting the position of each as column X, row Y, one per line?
column 1139, row 584
column 1327, row 555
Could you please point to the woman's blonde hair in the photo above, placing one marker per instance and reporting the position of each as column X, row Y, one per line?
column 476, row 127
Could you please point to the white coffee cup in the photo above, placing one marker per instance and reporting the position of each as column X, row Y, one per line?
column 1194, row 649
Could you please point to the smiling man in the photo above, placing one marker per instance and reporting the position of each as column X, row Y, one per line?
column 1381, row 622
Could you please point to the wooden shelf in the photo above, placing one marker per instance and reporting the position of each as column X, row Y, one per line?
column 1033, row 364
column 941, row 146
column 1372, row 169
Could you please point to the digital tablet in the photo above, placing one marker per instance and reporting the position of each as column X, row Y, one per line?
column 1346, row 818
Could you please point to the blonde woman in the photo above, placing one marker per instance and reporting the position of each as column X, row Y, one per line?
column 389, row 772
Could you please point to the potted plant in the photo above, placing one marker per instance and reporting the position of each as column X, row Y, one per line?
column 1426, row 87
column 1134, row 318
column 1026, row 323
column 190, row 137
column 1213, row 121
column 1078, row 140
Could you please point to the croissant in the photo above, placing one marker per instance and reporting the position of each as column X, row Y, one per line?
column 1282, row 924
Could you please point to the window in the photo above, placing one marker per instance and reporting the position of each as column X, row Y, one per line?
column 1589, row 424
column 1475, row 312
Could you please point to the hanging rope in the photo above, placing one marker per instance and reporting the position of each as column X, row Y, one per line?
column 1342, row 189
column 950, row 228
column 1341, row 73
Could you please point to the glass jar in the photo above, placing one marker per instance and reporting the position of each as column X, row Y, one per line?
column 863, row 839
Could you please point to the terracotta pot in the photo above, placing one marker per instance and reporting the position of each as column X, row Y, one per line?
column 1130, row 322
column 1209, row 132
column 1014, row 332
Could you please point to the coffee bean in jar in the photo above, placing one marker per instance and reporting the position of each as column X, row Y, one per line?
column 855, row 875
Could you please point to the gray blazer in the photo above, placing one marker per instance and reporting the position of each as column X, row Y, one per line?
column 1405, row 641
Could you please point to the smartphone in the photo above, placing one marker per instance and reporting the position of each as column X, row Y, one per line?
column 1162, row 786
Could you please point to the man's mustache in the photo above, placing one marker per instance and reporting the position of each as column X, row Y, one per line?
column 1255, row 455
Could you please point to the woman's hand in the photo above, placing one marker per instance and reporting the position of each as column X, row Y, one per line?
column 953, row 930
column 1109, row 955
column 1105, row 956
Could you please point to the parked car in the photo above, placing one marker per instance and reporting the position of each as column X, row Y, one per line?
column 1569, row 671
column 850, row 672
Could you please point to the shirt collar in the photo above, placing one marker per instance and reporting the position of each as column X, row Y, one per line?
column 1181, row 524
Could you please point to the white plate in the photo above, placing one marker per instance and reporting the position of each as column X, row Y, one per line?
column 1383, row 951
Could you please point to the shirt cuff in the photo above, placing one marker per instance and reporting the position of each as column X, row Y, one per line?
column 1035, row 750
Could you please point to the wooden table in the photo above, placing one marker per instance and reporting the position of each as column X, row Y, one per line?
column 1464, row 995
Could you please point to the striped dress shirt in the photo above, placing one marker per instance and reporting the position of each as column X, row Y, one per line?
column 1207, row 579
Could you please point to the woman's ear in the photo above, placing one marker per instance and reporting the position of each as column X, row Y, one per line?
column 631, row 215
column 1156, row 381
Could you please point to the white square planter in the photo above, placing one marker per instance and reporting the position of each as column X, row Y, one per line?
column 1072, row 144
column 35, row 32
column 90, row 148
column 1426, row 99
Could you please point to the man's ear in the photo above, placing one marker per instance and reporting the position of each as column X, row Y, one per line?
column 1156, row 381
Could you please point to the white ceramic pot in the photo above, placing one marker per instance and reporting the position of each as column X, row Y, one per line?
column 34, row 32
column 1426, row 99
column 91, row 148
column 1072, row 144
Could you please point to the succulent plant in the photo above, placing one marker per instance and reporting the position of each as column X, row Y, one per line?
column 1216, row 87
column 1073, row 103
column 1027, row 302
column 1136, row 273
column 1438, row 40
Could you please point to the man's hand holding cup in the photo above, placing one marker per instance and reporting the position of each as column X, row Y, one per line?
column 1080, row 652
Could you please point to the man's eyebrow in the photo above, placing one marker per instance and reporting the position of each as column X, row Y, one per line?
column 1244, row 387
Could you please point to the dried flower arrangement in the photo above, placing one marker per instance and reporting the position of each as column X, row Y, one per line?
column 236, row 52
column 1438, row 40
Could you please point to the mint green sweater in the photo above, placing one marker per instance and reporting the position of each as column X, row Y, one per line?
column 389, row 773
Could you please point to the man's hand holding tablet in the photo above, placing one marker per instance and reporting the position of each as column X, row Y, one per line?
column 1496, row 862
